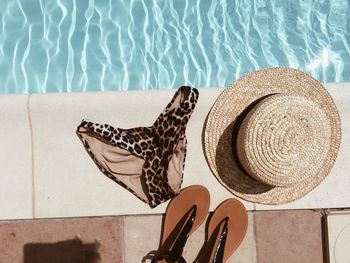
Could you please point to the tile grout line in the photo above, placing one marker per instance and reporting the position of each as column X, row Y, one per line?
column 32, row 155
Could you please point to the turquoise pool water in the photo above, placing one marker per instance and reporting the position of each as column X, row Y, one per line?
column 87, row 45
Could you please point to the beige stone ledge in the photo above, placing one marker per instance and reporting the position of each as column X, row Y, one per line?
column 67, row 182
column 15, row 158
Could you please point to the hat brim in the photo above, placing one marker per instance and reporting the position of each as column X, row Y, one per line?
column 227, row 113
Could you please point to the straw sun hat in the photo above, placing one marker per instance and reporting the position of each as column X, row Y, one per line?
column 272, row 136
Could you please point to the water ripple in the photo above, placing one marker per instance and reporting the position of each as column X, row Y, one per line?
column 67, row 46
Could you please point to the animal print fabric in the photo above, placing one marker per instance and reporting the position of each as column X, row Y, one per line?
column 147, row 161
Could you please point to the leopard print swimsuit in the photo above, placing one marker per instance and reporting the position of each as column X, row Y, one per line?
column 147, row 161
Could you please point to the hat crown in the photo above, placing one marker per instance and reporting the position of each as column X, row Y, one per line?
column 284, row 140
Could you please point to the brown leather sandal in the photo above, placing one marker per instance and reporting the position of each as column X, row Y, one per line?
column 225, row 231
column 184, row 214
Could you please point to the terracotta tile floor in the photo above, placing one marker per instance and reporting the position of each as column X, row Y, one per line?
column 290, row 236
column 273, row 236
column 76, row 240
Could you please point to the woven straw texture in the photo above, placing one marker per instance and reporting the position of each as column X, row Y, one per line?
column 284, row 140
column 278, row 124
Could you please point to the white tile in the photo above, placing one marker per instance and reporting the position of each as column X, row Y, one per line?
column 141, row 236
column 338, row 237
column 15, row 158
column 137, row 229
column 246, row 252
column 333, row 192
column 67, row 181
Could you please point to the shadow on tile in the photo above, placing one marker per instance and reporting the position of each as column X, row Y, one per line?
column 68, row 251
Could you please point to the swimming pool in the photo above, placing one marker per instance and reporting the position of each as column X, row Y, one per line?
column 73, row 46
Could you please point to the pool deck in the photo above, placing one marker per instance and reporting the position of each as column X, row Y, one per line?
column 273, row 236
column 51, row 191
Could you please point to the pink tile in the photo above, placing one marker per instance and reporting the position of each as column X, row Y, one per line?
column 89, row 240
column 289, row 236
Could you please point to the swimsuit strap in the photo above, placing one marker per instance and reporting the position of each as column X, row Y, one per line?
column 179, row 109
column 168, row 130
